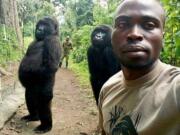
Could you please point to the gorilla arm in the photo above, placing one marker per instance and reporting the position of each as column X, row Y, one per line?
column 51, row 54
column 93, row 62
column 111, row 61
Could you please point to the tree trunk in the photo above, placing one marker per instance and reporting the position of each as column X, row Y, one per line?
column 9, row 17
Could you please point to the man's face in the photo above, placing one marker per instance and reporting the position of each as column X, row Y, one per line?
column 138, row 33
column 67, row 39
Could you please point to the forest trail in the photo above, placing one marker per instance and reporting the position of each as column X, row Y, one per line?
column 73, row 108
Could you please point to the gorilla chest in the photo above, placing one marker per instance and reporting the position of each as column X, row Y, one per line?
column 34, row 56
column 35, row 51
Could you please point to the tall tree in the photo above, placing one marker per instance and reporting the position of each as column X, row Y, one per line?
column 9, row 17
column 84, row 11
column 31, row 11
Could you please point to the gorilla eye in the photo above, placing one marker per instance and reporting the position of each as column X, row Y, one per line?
column 149, row 25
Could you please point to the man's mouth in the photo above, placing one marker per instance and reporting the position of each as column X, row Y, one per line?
column 134, row 48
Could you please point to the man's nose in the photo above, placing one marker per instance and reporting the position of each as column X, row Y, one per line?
column 135, row 34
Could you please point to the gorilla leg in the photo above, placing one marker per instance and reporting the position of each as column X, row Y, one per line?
column 96, row 87
column 32, row 106
column 61, row 61
column 44, row 108
column 67, row 58
column 45, row 116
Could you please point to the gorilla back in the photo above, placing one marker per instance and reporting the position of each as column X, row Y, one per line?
column 37, row 72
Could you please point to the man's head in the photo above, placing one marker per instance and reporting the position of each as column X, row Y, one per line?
column 138, row 32
column 67, row 38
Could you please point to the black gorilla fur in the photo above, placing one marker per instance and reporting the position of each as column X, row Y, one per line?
column 101, row 59
column 37, row 72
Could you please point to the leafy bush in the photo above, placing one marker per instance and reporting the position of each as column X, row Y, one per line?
column 171, row 51
column 28, row 30
column 81, row 41
column 9, row 50
column 81, row 70
column 102, row 15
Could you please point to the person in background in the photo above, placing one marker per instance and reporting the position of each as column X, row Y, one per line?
column 67, row 46
column 143, row 98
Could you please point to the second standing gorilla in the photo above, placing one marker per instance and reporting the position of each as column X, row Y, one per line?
column 101, row 59
column 37, row 72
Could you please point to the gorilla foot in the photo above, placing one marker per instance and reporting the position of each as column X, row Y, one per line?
column 60, row 64
column 30, row 118
column 42, row 129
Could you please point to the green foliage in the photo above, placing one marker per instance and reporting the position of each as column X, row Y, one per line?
column 81, row 70
column 31, row 11
column 101, row 15
column 112, row 5
column 63, row 2
column 9, row 50
column 70, row 16
column 27, row 10
column 78, row 13
column 171, row 51
column 28, row 30
column 27, row 41
column 84, row 12
column 47, row 9
column 81, row 41
column 104, row 14
column 65, row 31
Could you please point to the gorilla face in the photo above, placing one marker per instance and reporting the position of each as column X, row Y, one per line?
column 40, row 32
column 101, row 36
column 45, row 27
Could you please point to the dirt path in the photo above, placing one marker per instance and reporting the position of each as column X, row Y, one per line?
column 74, row 110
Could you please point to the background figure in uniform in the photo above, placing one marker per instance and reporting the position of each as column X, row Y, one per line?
column 67, row 46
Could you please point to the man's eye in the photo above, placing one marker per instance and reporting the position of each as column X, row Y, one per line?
column 149, row 25
column 121, row 25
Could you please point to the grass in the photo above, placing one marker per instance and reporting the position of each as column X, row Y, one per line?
column 82, row 74
column 81, row 70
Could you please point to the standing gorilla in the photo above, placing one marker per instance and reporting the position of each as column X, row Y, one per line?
column 101, row 60
column 37, row 72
